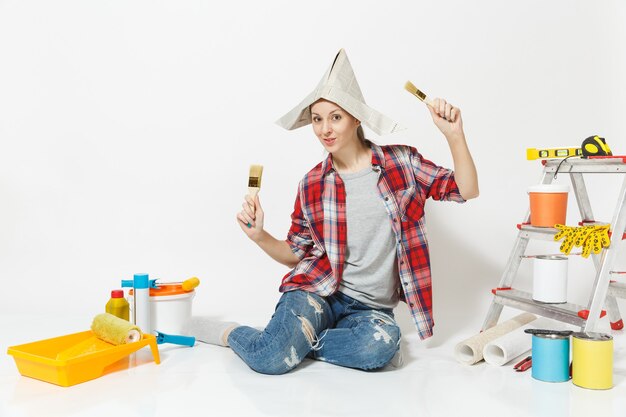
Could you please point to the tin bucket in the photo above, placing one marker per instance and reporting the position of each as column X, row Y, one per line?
column 550, row 358
column 592, row 360
column 550, row 279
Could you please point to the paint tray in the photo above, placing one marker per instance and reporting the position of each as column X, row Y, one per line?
column 76, row 358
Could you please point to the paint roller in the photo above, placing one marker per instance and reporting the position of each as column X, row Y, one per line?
column 115, row 330
column 107, row 330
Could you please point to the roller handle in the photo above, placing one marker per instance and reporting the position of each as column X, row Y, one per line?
column 175, row 339
column 129, row 283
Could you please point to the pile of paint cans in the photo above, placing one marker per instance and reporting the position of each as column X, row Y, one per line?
column 592, row 358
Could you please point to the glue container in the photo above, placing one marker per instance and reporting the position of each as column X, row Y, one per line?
column 117, row 305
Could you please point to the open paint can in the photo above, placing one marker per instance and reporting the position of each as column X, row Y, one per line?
column 550, row 279
column 170, row 307
column 550, row 353
column 592, row 360
column 548, row 204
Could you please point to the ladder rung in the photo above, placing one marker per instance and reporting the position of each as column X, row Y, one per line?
column 617, row 289
column 565, row 312
column 617, row 165
column 547, row 233
column 533, row 232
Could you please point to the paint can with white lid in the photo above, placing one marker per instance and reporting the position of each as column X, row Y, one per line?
column 170, row 307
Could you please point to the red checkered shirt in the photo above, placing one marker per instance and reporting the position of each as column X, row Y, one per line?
column 318, row 231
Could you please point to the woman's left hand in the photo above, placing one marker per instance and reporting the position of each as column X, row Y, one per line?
column 446, row 117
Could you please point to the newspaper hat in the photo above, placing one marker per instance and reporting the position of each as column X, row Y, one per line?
column 339, row 85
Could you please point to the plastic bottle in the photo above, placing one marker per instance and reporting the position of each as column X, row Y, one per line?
column 117, row 305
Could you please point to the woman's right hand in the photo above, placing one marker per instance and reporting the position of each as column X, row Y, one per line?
column 250, row 218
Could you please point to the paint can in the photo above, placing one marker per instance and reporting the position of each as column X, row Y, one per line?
column 548, row 204
column 170, row 307
column 592, row 360
column 550, row 279
column 550, row 353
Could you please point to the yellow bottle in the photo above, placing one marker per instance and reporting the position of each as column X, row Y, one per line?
column 117, row 305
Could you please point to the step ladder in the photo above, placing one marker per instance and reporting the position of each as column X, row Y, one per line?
column 604, row 290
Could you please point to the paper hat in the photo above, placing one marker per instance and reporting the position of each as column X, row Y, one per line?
column 339, row 85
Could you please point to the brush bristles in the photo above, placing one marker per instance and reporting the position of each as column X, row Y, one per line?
column 256, row 172
column 414, row 90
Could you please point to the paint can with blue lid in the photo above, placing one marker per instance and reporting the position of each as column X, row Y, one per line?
column 550, row 353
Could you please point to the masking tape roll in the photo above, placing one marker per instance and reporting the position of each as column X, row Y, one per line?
column 115, row 330
column 592, row 360
column 470, row 350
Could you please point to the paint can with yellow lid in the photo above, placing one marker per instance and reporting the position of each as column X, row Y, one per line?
column 592, row 360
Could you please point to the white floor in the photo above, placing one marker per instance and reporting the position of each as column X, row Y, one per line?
column 213, row 381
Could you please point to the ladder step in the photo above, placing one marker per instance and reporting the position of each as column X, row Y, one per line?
column 617, row 289
column 565, row 312
column 532, row 232
column 548, row 233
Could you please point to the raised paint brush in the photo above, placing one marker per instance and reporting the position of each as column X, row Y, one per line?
column 254, row 183
column 419, row 94
column 254, row 180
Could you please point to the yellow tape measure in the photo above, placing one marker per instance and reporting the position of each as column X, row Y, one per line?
column 595, row 146
column 552, row 153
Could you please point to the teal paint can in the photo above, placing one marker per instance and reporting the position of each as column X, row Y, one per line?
column 550, row 353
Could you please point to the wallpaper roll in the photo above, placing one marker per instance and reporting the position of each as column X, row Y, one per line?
column 508, row 347
column 470, row 350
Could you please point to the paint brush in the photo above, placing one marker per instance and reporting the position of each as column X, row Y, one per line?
column 254, row 180
column 408, row 86
column 417, row 93
column 254, row 183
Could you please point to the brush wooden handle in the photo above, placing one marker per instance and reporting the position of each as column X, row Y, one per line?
column 253, row 191
column 428, row 102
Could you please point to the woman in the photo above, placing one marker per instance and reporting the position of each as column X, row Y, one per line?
column 357, row 242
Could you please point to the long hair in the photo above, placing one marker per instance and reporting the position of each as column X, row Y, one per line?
column 361, row 135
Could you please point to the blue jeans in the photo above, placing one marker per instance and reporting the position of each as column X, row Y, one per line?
column 336, row 329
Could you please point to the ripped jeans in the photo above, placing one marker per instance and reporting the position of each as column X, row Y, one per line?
column 336, row 329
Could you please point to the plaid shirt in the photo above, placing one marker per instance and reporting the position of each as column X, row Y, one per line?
column 318, row 231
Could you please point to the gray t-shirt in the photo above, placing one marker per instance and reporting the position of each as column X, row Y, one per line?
column 370, row 273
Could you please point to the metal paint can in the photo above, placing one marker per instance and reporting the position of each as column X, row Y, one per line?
column 592, row 360
column 550, row 279
column 550, row 358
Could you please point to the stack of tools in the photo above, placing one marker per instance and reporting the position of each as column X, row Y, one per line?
column 590, row 238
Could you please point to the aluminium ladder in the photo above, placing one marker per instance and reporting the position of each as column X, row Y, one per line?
column 604, row 290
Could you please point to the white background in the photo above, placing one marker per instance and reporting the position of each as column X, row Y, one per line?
column 127, row 129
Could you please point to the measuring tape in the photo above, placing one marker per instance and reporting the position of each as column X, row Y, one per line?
column 595, row 146
column 551, row 153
